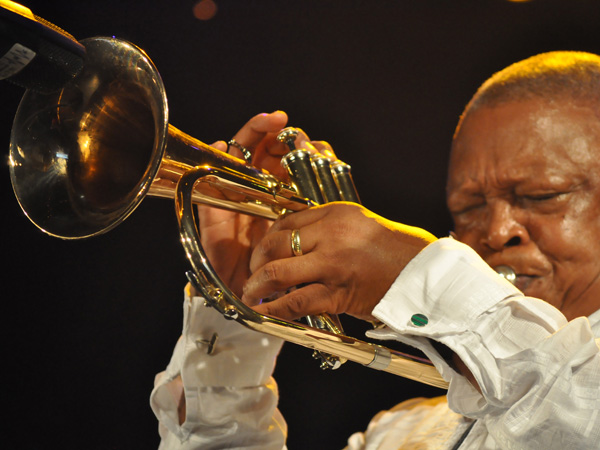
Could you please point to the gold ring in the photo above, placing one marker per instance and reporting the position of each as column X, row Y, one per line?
column 296, row 249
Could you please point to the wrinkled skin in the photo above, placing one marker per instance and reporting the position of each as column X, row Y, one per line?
column 229, row 238
column 524, row 191
column 350, row 259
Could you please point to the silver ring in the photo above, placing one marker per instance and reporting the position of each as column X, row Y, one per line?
column 296, row 248
column 240, row 147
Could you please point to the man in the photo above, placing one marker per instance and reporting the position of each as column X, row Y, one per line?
column 524, row 191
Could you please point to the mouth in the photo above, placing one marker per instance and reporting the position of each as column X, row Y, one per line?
column 523, row 282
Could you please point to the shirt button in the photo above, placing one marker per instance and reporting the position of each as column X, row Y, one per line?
column 419, row 320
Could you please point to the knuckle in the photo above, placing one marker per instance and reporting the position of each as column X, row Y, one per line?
column 272, row 272
column 267, row 246
column 341, row 229
column 280, row 223
column 297, row 303
column 287, row 219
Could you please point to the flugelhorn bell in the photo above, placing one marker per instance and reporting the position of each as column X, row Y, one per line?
column 82, row 158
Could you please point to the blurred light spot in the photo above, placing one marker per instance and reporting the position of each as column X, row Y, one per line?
column 205, row 9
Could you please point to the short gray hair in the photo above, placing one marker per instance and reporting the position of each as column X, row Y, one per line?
column 547, row 76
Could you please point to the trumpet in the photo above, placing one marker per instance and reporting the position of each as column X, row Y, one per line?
column 82, row 159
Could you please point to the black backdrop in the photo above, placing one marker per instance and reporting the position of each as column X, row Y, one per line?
column 87, row 324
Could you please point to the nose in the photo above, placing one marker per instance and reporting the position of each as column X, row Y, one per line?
column 504, row 229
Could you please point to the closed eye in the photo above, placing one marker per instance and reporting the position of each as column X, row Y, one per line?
column 547, row 202
column 544, row 196
column 465, row 209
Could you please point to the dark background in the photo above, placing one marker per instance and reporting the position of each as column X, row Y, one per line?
column 87, row 324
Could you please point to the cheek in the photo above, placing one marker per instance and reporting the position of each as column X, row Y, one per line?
column 579, row 226
column 569, row 240
column 468, row 229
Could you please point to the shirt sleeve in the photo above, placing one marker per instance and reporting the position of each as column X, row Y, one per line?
column 538, row 373
column 230, row 397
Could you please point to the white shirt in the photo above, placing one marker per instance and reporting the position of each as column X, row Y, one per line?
column 230, row 397
column 539, row 374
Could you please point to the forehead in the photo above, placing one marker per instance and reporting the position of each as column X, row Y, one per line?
column 529, row 139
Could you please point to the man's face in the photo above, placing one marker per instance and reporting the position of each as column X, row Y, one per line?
column 524, row 191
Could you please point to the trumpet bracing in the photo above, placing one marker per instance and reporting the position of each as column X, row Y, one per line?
column 82, row 158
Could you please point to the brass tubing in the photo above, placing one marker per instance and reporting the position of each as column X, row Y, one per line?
column 219, row 296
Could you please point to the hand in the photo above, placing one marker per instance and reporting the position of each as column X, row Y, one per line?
column 227, row 237
column 350, row 259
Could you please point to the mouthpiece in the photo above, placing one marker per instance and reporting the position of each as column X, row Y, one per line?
column 507, row 273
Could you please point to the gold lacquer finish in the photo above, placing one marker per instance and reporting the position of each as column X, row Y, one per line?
column 219, row 296
column 84, row 157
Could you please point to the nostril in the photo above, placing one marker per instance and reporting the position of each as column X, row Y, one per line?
column 515, row 240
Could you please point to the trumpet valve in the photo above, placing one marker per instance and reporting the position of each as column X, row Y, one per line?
column 288, row 136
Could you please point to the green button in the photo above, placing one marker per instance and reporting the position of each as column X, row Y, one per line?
column 419, row 320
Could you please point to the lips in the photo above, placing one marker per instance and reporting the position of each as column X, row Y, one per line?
column 529, row 273
column 523, row 282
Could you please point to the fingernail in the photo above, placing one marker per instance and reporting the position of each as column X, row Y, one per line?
column 279, row 112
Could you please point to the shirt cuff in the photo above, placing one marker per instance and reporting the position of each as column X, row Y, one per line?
column 450, row 295
column 447, row 285
column 241, row 357
column 220, row 388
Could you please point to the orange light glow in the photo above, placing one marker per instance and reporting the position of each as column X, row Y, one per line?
column 205, row 9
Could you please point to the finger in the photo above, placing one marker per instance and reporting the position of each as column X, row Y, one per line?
column 281, row 275
column 307, row 300
column 268, row 153
column 278, row 245
column 220, row 145
column 259, row 134
column 301, row 219
column 273, row 150
column 309, row 147
column 324, row 148
column 257, row 127
column 271, row 247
